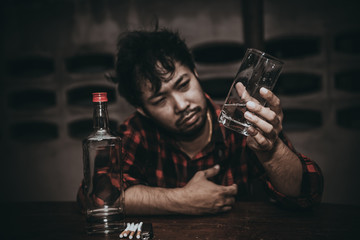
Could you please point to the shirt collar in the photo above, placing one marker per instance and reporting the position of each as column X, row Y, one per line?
column 218, row 130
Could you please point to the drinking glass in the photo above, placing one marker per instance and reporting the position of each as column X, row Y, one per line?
column 257, row 69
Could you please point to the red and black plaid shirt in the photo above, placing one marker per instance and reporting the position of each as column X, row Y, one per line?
column 151, row 157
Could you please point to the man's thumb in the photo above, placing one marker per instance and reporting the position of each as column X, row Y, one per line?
column 211, row 172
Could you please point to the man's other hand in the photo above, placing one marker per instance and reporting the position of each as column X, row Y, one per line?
column 203, row 196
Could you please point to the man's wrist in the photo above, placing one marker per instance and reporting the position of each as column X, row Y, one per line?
column 278, row 149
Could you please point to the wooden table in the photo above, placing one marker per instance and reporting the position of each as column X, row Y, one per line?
column 248, row 220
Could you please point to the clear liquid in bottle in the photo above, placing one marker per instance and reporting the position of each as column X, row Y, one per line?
column 103, row 186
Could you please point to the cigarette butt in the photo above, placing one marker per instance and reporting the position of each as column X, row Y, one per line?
column 123, row 232
column 139, row 230
column 127, row 232
column 133, row 230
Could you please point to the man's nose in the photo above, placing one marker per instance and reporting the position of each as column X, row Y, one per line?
column 180, row 103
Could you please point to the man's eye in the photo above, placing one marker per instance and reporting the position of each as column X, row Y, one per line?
column 158, row 102
column 184, row 85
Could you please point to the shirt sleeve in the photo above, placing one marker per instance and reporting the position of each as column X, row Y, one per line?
column 133, row 157
column 311, row 187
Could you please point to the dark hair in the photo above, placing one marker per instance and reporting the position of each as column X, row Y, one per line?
column 143, row 56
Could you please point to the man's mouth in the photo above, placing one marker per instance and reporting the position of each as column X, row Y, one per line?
column 188, row 117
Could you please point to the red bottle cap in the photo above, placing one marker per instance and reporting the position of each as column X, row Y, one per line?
column 100, row 97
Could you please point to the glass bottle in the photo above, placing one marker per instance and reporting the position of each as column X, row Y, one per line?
column 103, row 187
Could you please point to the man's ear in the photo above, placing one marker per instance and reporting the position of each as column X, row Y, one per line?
column 141, row 111
column 196, row 73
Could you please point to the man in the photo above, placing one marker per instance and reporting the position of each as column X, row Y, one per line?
column 178, row 158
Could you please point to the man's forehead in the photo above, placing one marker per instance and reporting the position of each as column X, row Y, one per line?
column 149, row 88
column 164, row 76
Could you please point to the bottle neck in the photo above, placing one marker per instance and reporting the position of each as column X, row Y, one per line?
column 100, row 117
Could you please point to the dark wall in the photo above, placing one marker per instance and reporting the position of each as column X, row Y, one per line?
column 55, row 53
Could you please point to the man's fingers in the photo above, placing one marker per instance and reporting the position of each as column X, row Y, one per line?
column 227, row 204
column 230, row 190
column 211, row 172
column 243, row 93
column 229, row 201
column 267, row 127
column 226, row 208
column 273, row 101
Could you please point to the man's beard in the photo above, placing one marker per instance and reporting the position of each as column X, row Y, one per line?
column 181, row 135
column 194, row 132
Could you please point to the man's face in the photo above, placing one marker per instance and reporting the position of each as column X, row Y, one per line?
column 179, row 106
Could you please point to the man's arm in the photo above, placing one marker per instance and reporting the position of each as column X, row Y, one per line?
column 281, row 163
column 199, row 196
column 283, row 168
